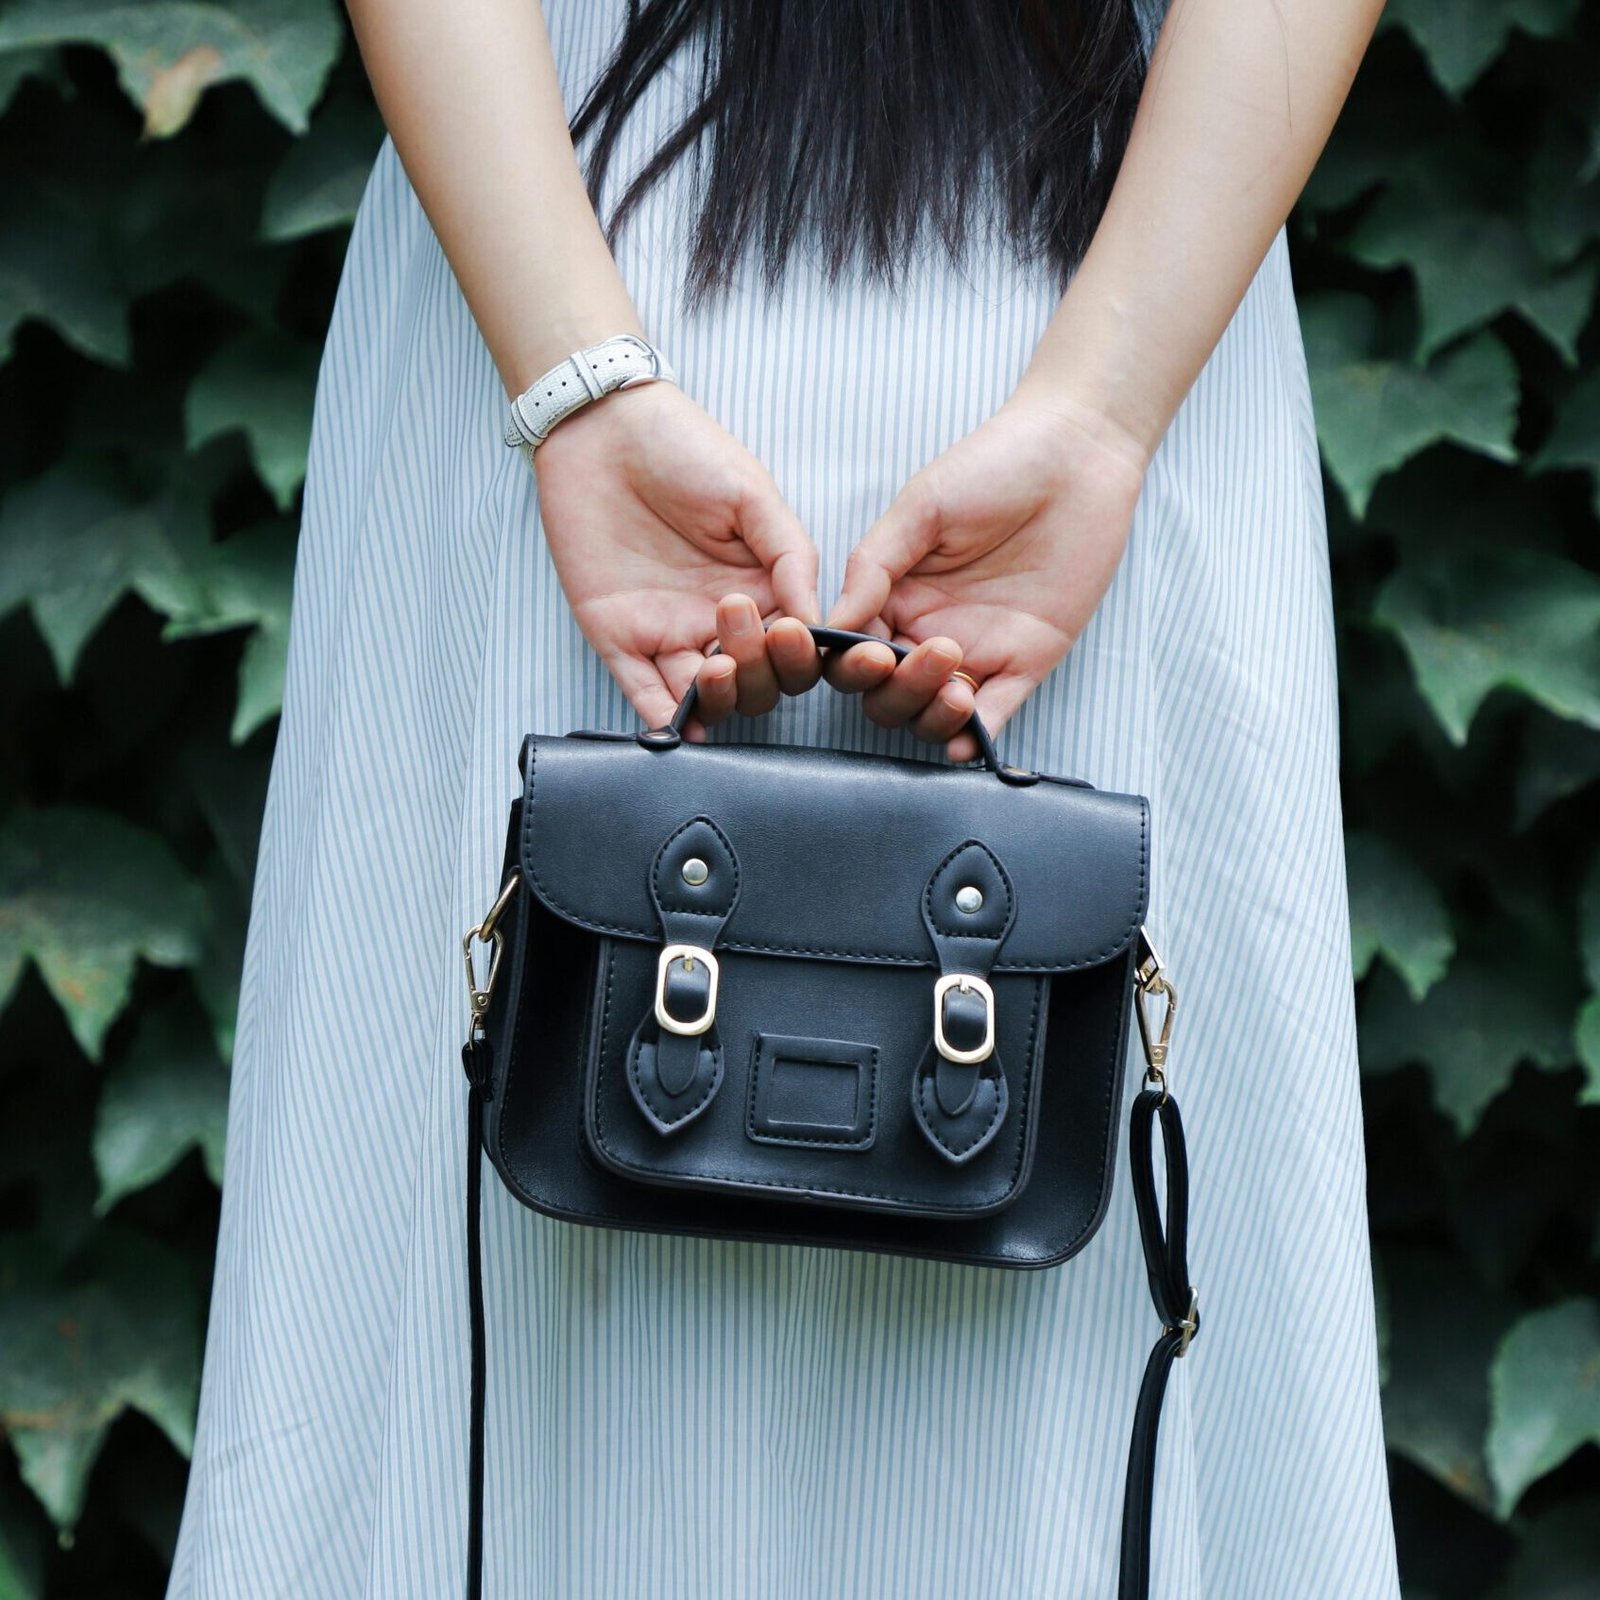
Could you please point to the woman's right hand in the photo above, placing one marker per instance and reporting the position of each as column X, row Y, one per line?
column 668, row 534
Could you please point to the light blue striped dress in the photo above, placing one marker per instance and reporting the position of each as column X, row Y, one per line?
column 674, row 1419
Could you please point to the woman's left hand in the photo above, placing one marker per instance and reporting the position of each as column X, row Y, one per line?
column 1003, row 547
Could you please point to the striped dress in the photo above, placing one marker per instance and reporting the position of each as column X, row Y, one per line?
column 686, row 1419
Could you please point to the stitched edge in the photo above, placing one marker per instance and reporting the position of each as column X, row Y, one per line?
column 596, row 926
column 1112, row 1078
column 923, row 1082
column 966, row 933
column 662, row 910
column 598, row 1111
column 635, row 1050
column 863, row 1143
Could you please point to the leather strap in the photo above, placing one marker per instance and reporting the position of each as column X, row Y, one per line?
column 1166, row 1259
column 475, row 1060
column 619, row 362
column 1166, row 1255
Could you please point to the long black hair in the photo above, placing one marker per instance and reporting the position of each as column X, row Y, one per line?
column 859, row 122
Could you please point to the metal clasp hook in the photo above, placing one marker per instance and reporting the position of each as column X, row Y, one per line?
column 487, row 932
column 1152, row 982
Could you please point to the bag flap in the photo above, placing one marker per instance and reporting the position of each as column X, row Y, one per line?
column 834, row 847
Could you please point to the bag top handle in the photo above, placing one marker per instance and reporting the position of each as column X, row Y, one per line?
column 670, row 735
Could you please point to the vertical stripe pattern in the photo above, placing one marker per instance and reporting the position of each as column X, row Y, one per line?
column 687, row 1419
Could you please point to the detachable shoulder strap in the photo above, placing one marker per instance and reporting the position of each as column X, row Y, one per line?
column 1166, row 1255
column 1166, row 1260
column 475, row 1059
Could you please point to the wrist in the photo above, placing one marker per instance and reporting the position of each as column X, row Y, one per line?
column 1101, row 367
column 618, row 361
column 1084, row 416
column 556, row 338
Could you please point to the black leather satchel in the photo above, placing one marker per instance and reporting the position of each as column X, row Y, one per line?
column 826, row 998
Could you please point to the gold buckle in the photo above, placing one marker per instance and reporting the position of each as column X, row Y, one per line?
column 967, row 982
column 688, row 954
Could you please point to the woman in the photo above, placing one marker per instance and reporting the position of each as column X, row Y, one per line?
column 1102, row 506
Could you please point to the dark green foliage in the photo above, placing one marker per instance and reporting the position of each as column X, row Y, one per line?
column 176, row 186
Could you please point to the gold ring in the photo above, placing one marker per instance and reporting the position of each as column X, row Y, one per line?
column 967, row 678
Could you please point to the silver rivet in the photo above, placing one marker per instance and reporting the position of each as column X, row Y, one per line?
column 969, row 898
column 695, row 870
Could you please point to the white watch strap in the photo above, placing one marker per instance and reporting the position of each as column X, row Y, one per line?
column 615, row 363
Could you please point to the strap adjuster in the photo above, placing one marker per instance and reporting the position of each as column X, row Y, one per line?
column 967, row 983
column 1189, row 1323
column 688, row 954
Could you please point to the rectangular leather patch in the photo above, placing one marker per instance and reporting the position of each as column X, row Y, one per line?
column 813, row 1091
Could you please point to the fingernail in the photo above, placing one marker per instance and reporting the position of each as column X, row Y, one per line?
column 744, row 616
column 942, row 660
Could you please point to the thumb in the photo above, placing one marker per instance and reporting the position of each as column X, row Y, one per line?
column 774, row 534
column 895, row 543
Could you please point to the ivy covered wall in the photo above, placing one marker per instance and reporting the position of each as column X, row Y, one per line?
column 177, row 179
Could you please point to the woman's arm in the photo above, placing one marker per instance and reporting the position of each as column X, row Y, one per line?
column 658, row 520
column 1240, row 100
column 472, row 102
column 1004, row 545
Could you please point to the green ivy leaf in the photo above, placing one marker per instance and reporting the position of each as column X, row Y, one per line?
column 1383, row 114
column 187, row 213
column 168, row 52
column 76, row 1352
column 1441, row 219
column 1563, row 207
column 1497, row 617
column 1586, row 1041
column 1589, row 922
column 1559, row 759
column 230, row 788
column 1586, row 1034
column 1558, row 1555
column 84, row 894
column 1544, row 1390
column 321, row 181
column 1374, row 413
column 264, row 384
column 247, row 580
column 53, row 266
column 1575, row 439
column 16, row 67
column 1396, row 912
column 1436, row 1401
column 221, row 965
column 1459, row 38
column 71, row 545
column 167, row 1095
column 21, row 1551
column 1476, row 1024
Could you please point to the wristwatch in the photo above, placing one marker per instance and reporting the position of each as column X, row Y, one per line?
column 619, row 362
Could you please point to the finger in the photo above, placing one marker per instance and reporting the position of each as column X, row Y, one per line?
column 914, row 682
column 998, row 700
column 861, row 667
column 946, row 714
column 895, row 543
column 647, row 691
column 742, row 636
column 795, row 658
column 783, row 547
column 678, row 669
column 716, row 689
